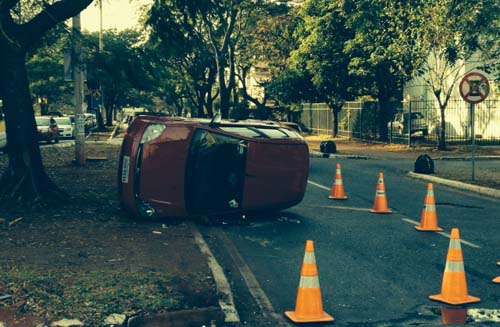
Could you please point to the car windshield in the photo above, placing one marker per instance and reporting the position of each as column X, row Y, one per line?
column 42, row 121
column 63, row 121
column 216, row 166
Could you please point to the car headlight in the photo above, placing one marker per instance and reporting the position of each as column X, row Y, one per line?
column 152, row 132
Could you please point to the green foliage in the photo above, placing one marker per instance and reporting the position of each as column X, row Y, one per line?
column 321, row 52
column 292, row 86
column 91, row 296
column 121, row 68
column 46, row 74
column 452, row 33
column 385, row 50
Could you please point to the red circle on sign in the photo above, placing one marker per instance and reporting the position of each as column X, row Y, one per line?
column 481, row 86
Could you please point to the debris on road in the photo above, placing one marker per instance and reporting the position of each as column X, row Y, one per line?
column 15, row 221
column 67, row 323
column 115, row 319
column 5, row 297
column 97, row 158
column 484, row 315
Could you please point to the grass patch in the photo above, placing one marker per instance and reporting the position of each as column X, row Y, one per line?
column 90, row 296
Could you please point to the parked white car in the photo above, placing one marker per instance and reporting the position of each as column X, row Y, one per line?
column 66, row 128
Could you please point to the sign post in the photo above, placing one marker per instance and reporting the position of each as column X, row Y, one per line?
column 474, row 88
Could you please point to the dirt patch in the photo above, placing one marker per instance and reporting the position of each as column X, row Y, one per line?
column 86, row 259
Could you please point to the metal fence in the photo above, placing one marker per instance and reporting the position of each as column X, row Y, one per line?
column 359, row 120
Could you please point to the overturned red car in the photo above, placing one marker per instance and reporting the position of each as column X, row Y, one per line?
column 175, row 167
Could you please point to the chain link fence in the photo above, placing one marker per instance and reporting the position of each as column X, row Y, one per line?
column 416, row 121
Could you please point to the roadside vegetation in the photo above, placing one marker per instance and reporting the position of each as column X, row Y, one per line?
column 85, row 259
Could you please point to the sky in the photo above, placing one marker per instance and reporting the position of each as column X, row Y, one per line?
column 119, row 14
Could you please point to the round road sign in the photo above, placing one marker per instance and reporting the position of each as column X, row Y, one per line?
column 474, row 87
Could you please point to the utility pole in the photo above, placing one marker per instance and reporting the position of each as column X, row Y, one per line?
column 99, row 112
column 78, row 80
column 101, row 44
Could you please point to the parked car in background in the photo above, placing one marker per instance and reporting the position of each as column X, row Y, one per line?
column 47, row 129
column 399, row 125
column 66, row 127
column 174, row 167
column 3, row 132
column 55, row 114
column 128, row 115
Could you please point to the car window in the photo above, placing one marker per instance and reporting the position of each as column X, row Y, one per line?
column 63, row 121
column 42, row 121
column 274, row 133
column 243, row 131
column 215, row 172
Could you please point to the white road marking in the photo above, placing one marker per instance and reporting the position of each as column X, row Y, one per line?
column 318, row 185
column 410, row 221
column 472, row 245
column 227, row 300
column 251, row 281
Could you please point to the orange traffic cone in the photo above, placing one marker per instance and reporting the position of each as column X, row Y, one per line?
column 454, row 287
column 429, row 219
column 381, row 204
column 338, row 192
column 309, row 305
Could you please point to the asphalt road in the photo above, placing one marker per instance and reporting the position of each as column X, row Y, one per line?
column 375, row 270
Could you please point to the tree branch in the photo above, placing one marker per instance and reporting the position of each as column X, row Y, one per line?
column 6, row 5
column 50, row 17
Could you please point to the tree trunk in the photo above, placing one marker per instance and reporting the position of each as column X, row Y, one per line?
column 25, row 180
column 224, row 101
column 109, row 115
column 335, row 112
column 209, row 103
column 384, row 115
column 201, row 104
column 442, row 130
column 100, row 120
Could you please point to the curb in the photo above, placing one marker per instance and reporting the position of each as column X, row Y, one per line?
column 468, row 158
column 491, row 192
column 316, row 154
